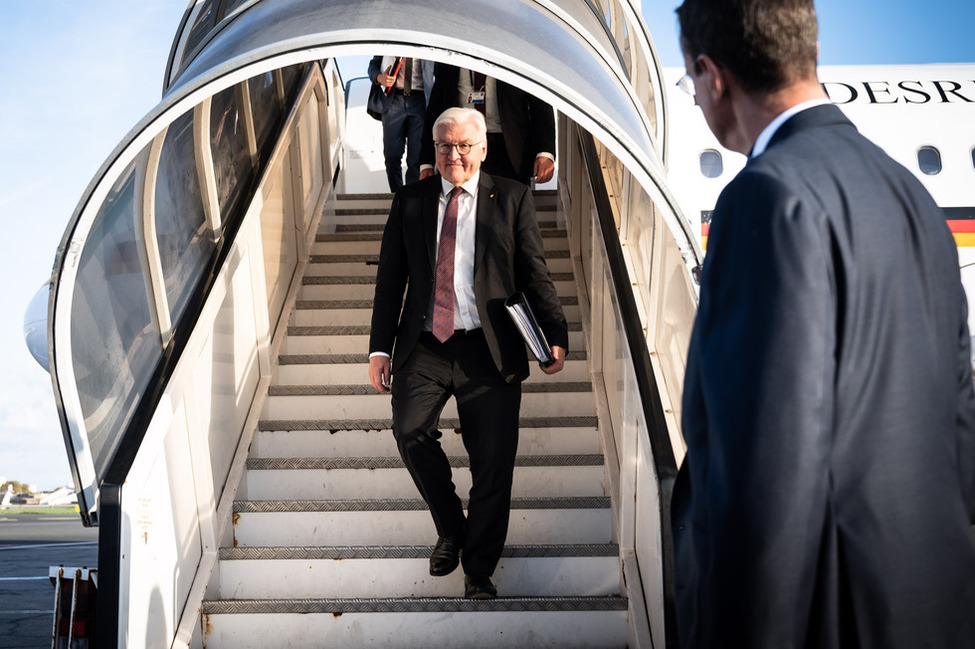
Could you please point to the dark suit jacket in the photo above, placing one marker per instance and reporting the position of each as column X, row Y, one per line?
column 527, row 123
column 378, row 101
column 509, row 257
column 828, row 490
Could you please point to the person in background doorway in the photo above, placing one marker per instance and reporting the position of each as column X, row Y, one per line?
column 399, row 93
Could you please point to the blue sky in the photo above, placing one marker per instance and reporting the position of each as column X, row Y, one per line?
column 76, row 75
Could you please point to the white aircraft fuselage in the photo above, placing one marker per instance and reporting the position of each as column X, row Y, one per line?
column 922, row 115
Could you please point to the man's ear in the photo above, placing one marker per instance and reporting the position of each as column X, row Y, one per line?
column 714, row 77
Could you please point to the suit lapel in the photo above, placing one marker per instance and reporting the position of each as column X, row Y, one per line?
column 485, row 218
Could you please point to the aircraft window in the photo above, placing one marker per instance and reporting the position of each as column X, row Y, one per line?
column 711, row 163
column 186, row 244
column 114, row 344
column 232, row 162
column 929, row 160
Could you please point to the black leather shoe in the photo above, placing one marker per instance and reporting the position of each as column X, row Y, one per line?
column 479, row 587
column 446, row 555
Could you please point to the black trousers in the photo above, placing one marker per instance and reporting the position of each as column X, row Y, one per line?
column 488, row 410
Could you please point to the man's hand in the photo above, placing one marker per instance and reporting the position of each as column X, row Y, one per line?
column 385, row 78
column 558, row 361
column 425, row 173
column 544, row 169
column 379, row 373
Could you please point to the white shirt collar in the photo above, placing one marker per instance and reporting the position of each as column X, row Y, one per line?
column 766, row 135
column 470, row 186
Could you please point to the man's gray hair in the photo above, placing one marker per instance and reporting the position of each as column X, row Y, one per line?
column 454, row 116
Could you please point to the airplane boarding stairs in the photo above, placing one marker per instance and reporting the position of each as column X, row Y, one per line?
column 331, row 540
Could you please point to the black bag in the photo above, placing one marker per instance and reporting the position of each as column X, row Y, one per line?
column 374, row 104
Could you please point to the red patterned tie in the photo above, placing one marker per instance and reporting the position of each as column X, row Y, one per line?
column 443, row 301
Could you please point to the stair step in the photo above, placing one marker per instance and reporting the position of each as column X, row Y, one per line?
column 368, row 243
column 374, row 220
column 431, row 623
column 386, row 477
column 337, row 265
column 364, row 389
column 363, row 358
column 457, row 462
column 404, row 571
column 359, row 279
column 300, row 342
column 364, row 406
column 323, row 314
column 370, row 258
column 372, row 233
column 375, row 443
column 316, row 552
column 446, row 423
column 366, row 291
column 534, row 521
column 575, row 370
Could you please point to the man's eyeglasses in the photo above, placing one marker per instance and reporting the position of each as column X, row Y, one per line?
column 463, row 148
column 686, row 83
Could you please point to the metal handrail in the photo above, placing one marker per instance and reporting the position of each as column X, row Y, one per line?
column 665, row 462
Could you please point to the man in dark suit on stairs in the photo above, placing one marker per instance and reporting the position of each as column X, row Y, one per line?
column 459, row 244
column 828, row 492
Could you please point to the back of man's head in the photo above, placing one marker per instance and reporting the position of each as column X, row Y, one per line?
column 765, row 44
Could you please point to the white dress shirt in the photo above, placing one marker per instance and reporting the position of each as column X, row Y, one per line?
column 761, row 142
column 465, row 304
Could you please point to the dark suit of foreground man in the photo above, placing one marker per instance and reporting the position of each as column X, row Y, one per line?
column 828, row 492
column 479, row 358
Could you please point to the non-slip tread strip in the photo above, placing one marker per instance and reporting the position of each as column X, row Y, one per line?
column 368, row 390
column 346, row 359
column 307, row 305
column 358, row 330
column 404, row 505
column 446, row 423
column 313, row 553
column 372, row 463
column 415, row 605
column 374, row 259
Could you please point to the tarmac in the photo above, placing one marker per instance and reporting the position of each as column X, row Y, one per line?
column 29, row 545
